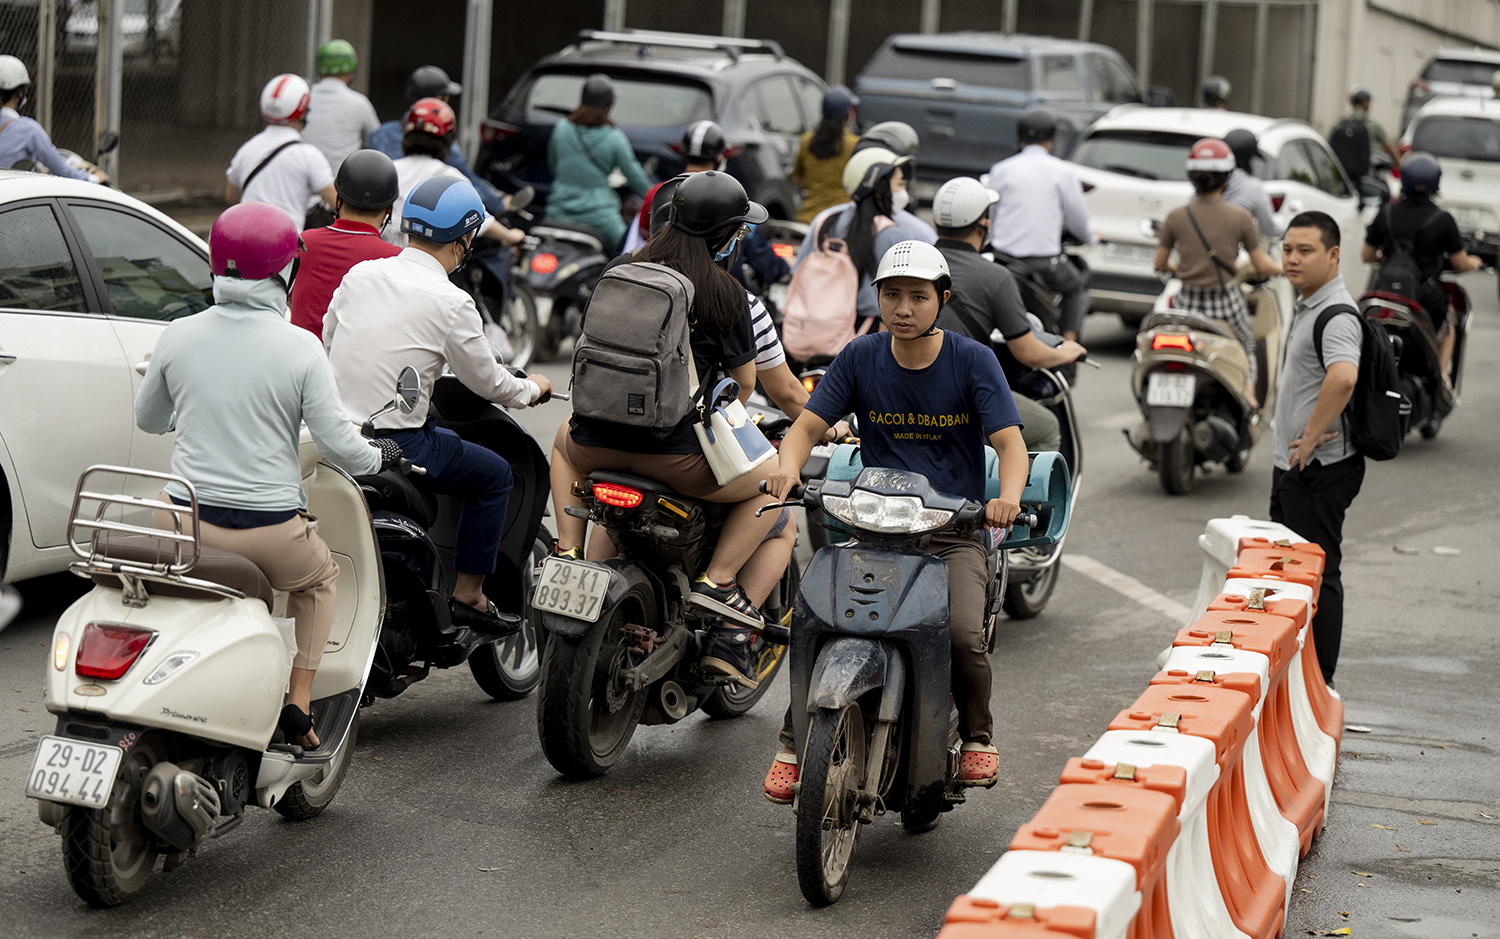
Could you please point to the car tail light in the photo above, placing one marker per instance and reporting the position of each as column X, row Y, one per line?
column 1171, row 341
column 1088, row 187
column 107, row 650
column 785, row 252
column 731, row 152
column 544, row 263
column 1276, row 200
column 622, row 497
column 675, row 148
column 491, row 131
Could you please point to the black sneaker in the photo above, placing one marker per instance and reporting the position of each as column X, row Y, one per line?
column 729, row 654
column 493, row 623
column 728, row 601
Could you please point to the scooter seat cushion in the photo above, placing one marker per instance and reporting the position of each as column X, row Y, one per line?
column 215, row 565
column 394, row 491
column 574, row 227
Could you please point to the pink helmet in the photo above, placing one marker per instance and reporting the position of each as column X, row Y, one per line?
column 252, row 240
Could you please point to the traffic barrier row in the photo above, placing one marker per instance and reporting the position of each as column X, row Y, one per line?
column 1187, row 817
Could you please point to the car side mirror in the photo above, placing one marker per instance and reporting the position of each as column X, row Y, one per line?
column 1160, row 96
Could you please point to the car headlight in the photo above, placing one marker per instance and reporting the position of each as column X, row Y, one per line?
column 885, row 514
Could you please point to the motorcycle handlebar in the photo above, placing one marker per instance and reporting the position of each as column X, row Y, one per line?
column 408, row 467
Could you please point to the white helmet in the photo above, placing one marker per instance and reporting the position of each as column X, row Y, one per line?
column 13, row 73
column 914, row 259
column 961, row 202
column 284, row 99
column 859, row 164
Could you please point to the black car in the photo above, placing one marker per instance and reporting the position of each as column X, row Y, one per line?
column 664, row 82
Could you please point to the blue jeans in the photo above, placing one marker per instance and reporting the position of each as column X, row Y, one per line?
column 480, row 477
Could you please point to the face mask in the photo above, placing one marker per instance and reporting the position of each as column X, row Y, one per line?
column 900, row 200
column 465, row 248
column 732, row 244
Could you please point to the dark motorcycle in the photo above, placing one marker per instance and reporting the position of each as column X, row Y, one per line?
column 875, row 725
column 507, row 304
column 1415, row 343
column 1039, row 299
column 562, row 263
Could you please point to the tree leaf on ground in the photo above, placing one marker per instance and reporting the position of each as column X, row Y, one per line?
column 1383, row 827
column 1363, row 874
column 1423, row 821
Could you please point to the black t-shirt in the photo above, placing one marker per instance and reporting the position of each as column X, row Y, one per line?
column 727, row 350
column 985, row 298
column 1437, row 234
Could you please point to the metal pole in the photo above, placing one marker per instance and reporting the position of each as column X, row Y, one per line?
column 109, row 73
column 46, row 63
column 838, row 40
column 474, row 106
column 1143, row 30
column 734, row 17
column 1309, row 57
column 932, row 15
column 311, row 64
column 1258, row 70
column 1207, row 39
column 1085, row 20
column 1008, row 16
column 614, row 15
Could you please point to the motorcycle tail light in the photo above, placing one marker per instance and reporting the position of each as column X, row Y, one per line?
column 809, row 384
column 544, row 263
column 1171, row 341
column 491, row 131
column 107, row 650
column 621, row 497
column 785, row 252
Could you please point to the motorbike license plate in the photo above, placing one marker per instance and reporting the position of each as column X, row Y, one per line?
column 1168, row 390
column 1124, row 251
column 572, row 588
column 76, row 773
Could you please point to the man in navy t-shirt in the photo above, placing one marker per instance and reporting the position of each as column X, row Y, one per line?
column 927, row 401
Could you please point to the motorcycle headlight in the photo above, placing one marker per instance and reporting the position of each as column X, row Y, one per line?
column 890, row 515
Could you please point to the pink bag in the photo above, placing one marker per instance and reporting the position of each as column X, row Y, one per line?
column 820, row 312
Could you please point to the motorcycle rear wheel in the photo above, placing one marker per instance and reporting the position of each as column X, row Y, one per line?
column 580, row 735
column 107, row 853
column 508, row 669
column 1026, row 598
column 734, row 700
column 1175, row 463
column 550, row 336
column 833, row 768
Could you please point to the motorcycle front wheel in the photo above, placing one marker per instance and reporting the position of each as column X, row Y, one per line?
column 107, row 852
column 1026, row 597
column 734, row 700
column 585, row 716
column 832, row 773
column 1175, row 463
column 508, row 669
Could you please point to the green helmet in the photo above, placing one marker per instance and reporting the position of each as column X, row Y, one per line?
column 336, row 57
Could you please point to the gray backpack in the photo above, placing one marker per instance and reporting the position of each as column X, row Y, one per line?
column 633, row 364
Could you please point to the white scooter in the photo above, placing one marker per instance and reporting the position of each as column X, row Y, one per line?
column 168, row 677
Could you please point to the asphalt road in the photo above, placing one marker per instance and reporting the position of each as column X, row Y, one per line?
column 451, row 823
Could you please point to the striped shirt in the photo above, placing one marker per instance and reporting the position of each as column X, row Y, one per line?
column 768, row 351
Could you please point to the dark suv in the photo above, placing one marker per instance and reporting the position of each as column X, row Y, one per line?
column 663, row 82
column 963, row 92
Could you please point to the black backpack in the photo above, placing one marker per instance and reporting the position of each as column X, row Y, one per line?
column 1400, row 272
column 1376, row 417
column 1350, row 140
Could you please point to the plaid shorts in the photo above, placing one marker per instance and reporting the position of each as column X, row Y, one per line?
column 1227, row 304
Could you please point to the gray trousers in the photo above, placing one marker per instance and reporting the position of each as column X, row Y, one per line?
column 1039, row 427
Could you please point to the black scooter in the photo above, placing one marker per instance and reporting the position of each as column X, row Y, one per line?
column 498, row 283
column 562, row 263
column 874, row 721
column 1415, row 343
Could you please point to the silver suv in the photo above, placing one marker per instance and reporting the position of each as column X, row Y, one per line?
column 1462, row 73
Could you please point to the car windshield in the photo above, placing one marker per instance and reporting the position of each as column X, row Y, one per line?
column 642, row 102
column 1461, row 138
column 990, row 71
column 1457, row 70
column 1144, row 154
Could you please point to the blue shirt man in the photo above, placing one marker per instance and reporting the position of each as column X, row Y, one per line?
column 22, row 138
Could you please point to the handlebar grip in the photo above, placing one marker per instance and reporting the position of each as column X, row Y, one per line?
column 408, row 467
column 776, row 633
column 1026, row 520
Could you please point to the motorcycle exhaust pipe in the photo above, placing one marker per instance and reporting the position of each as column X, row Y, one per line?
column 179, row 807
column 673, row 700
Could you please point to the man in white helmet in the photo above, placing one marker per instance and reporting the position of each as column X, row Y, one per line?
column 277, row 166
column 985, row 299
column 928, row 400
column 22, row 138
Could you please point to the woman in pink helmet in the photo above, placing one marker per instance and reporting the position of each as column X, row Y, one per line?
column 236, row 382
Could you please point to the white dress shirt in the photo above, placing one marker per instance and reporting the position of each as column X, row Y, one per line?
column 1039, row 196
column 290, row 180
column 393, row 312
column 339, row 120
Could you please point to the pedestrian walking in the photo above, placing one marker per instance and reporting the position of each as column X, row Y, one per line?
column 1318, row 472
column 339, row 119
column 277, row 166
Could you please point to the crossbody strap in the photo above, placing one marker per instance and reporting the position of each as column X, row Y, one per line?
column 1222, row 268
column 262, row 165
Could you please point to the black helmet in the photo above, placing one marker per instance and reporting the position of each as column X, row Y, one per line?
column 1035, row 126
column 1244, row 145
column 1216, row 91
column 896, row 136
column 706, row 203
column 703, row 142
column 1359, row 95
column 429, row 81
column 367, row 180
column 1420, row 175
column 598, row 92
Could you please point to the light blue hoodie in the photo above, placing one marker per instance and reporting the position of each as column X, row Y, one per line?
column 236, row 382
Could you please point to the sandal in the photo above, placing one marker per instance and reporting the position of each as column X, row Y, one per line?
column 783, row 776
column 979, row 765
column 297, row 725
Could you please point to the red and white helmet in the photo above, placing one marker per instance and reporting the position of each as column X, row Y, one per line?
column 1210, row 155
column 429, row 116
column 284, row 99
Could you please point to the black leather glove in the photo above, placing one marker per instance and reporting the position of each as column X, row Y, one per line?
column 390, row 452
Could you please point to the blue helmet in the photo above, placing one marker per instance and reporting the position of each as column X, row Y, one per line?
column 442, row 209
column 838, row 100
column 1420, row 174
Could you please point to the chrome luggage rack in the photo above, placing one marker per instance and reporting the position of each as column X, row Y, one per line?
column 180, row 548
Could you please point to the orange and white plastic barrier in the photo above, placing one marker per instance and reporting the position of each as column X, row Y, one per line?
column 1186, row 819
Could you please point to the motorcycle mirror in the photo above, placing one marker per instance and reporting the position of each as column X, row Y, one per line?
column 108, row 142
column 408, row 390
column 522, row 198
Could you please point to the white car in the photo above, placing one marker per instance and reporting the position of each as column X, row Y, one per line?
column 89, row 279
column 1464, row 135
column 1132, row 164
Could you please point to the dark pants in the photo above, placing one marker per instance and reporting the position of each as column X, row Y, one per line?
column 1059, row 274
column 480, row 477
column 1312, row 502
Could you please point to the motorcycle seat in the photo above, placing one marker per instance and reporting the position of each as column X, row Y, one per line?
column 215, row 565
column 395, row 491
column 1186, row 319
column 552, row 226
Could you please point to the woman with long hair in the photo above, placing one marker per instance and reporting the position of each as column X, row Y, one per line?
column 820, row 161
column 584, row 150
column 710, row 213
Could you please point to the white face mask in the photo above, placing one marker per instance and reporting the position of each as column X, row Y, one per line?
column 900, row 199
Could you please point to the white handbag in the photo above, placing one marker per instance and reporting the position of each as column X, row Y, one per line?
column 731, row 443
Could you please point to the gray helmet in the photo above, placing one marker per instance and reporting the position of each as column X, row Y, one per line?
column 598, row 92
column 896, row 136
column 1216, row 91
column 1035, row 126
column 429, row 81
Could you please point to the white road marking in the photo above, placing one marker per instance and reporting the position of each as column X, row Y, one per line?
column 1127, row 586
